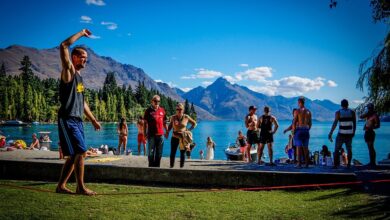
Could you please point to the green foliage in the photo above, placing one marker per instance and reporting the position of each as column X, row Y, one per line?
column 28, row 98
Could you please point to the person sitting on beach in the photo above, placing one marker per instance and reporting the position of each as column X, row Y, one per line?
column 265, row 124
column 325, row 151
column 301, row 127
column 344, row 157
column 290, row 153
column 35, row 143
column 241, row 141
column 372, row 122
column 2, row 141
column 141, row 134
column 122, row 131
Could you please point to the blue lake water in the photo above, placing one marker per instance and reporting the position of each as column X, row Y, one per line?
column 222, row 132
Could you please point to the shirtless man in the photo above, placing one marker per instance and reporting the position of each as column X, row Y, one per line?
column 73, row 106
column 35, row 143
column 372, row 122
column 301, row 126
column 252, row 134
column 265, row 123
column 141, row 134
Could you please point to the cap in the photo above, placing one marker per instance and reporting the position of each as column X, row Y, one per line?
column 252, row 107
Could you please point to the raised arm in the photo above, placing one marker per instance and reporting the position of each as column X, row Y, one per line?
column 67, row 66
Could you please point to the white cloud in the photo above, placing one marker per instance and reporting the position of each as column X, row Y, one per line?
column 109, row 25
column 185, row 89
column 358, row 102
column 170, row 84
column 86, row 19
column 332, row 83
column 244, row 65
column 258, row 74
column 94, row 37
column 230, row 79
column 290, row 86
column 207, row 83
column 203, row 74
column 95, row 2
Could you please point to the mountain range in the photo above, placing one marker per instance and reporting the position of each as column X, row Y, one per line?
column 220, row 100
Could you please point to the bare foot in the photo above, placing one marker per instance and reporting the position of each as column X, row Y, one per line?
column 86, row 192
column 63, row 190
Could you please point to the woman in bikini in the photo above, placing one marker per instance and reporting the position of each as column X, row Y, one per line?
column 122, row 132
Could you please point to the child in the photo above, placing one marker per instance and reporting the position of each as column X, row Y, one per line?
column 201, row 154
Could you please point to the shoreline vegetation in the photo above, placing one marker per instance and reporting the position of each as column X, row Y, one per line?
column 28, row 98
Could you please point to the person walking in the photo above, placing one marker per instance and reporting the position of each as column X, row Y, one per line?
column 155, row 118
column 346, row 118
column 265, row 123
column 179, row 122
column 73, row 105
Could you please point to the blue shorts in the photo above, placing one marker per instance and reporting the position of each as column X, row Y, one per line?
column 71, row 134
column 301, row 137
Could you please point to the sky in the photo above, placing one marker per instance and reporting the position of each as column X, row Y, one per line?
column 279, row 47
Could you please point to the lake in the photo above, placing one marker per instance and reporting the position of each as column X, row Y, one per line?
column 222, row 132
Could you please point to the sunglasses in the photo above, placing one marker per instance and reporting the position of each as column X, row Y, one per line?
column 156, row 101
column 178, row 109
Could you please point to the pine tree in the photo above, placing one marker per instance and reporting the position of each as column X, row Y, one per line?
column 193, row 114
column 186, row 107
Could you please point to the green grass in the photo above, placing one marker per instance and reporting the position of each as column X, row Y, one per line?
column 137, row 202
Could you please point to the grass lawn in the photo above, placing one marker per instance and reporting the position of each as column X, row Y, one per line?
column 138, row 202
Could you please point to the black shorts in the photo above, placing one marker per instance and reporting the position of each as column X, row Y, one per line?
column 369, row 136
column 252, row 137
column 266, row 138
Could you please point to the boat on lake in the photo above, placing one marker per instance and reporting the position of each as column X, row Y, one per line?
column 233, row 152
column 13, row 123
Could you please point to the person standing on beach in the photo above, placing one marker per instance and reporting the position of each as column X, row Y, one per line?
column 301, row 126
column 73, row 105
column 265, row 123
column 155, row 118
column 372, row 122
column 347, row 128
column 210, row 145
column 141, row 134
column 291, row 143
column 179, row 123
column 122, row 133
column 252, row 133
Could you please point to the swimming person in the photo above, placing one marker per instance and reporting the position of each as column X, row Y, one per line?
column 141, row 134
column 122, row 133
column 372, row 122
column 301, row 127
column 70, row 124
column 180, row 133
column 252, row 133
column 347, row 128
column 265, row 123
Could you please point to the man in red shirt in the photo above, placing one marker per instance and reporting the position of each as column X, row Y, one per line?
column 155, row 118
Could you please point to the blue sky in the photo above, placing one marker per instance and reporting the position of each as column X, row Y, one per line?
column 275, row 47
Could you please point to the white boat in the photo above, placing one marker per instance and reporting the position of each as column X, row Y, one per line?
column 14, row 123
column 44, row 140
column 233, row 152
